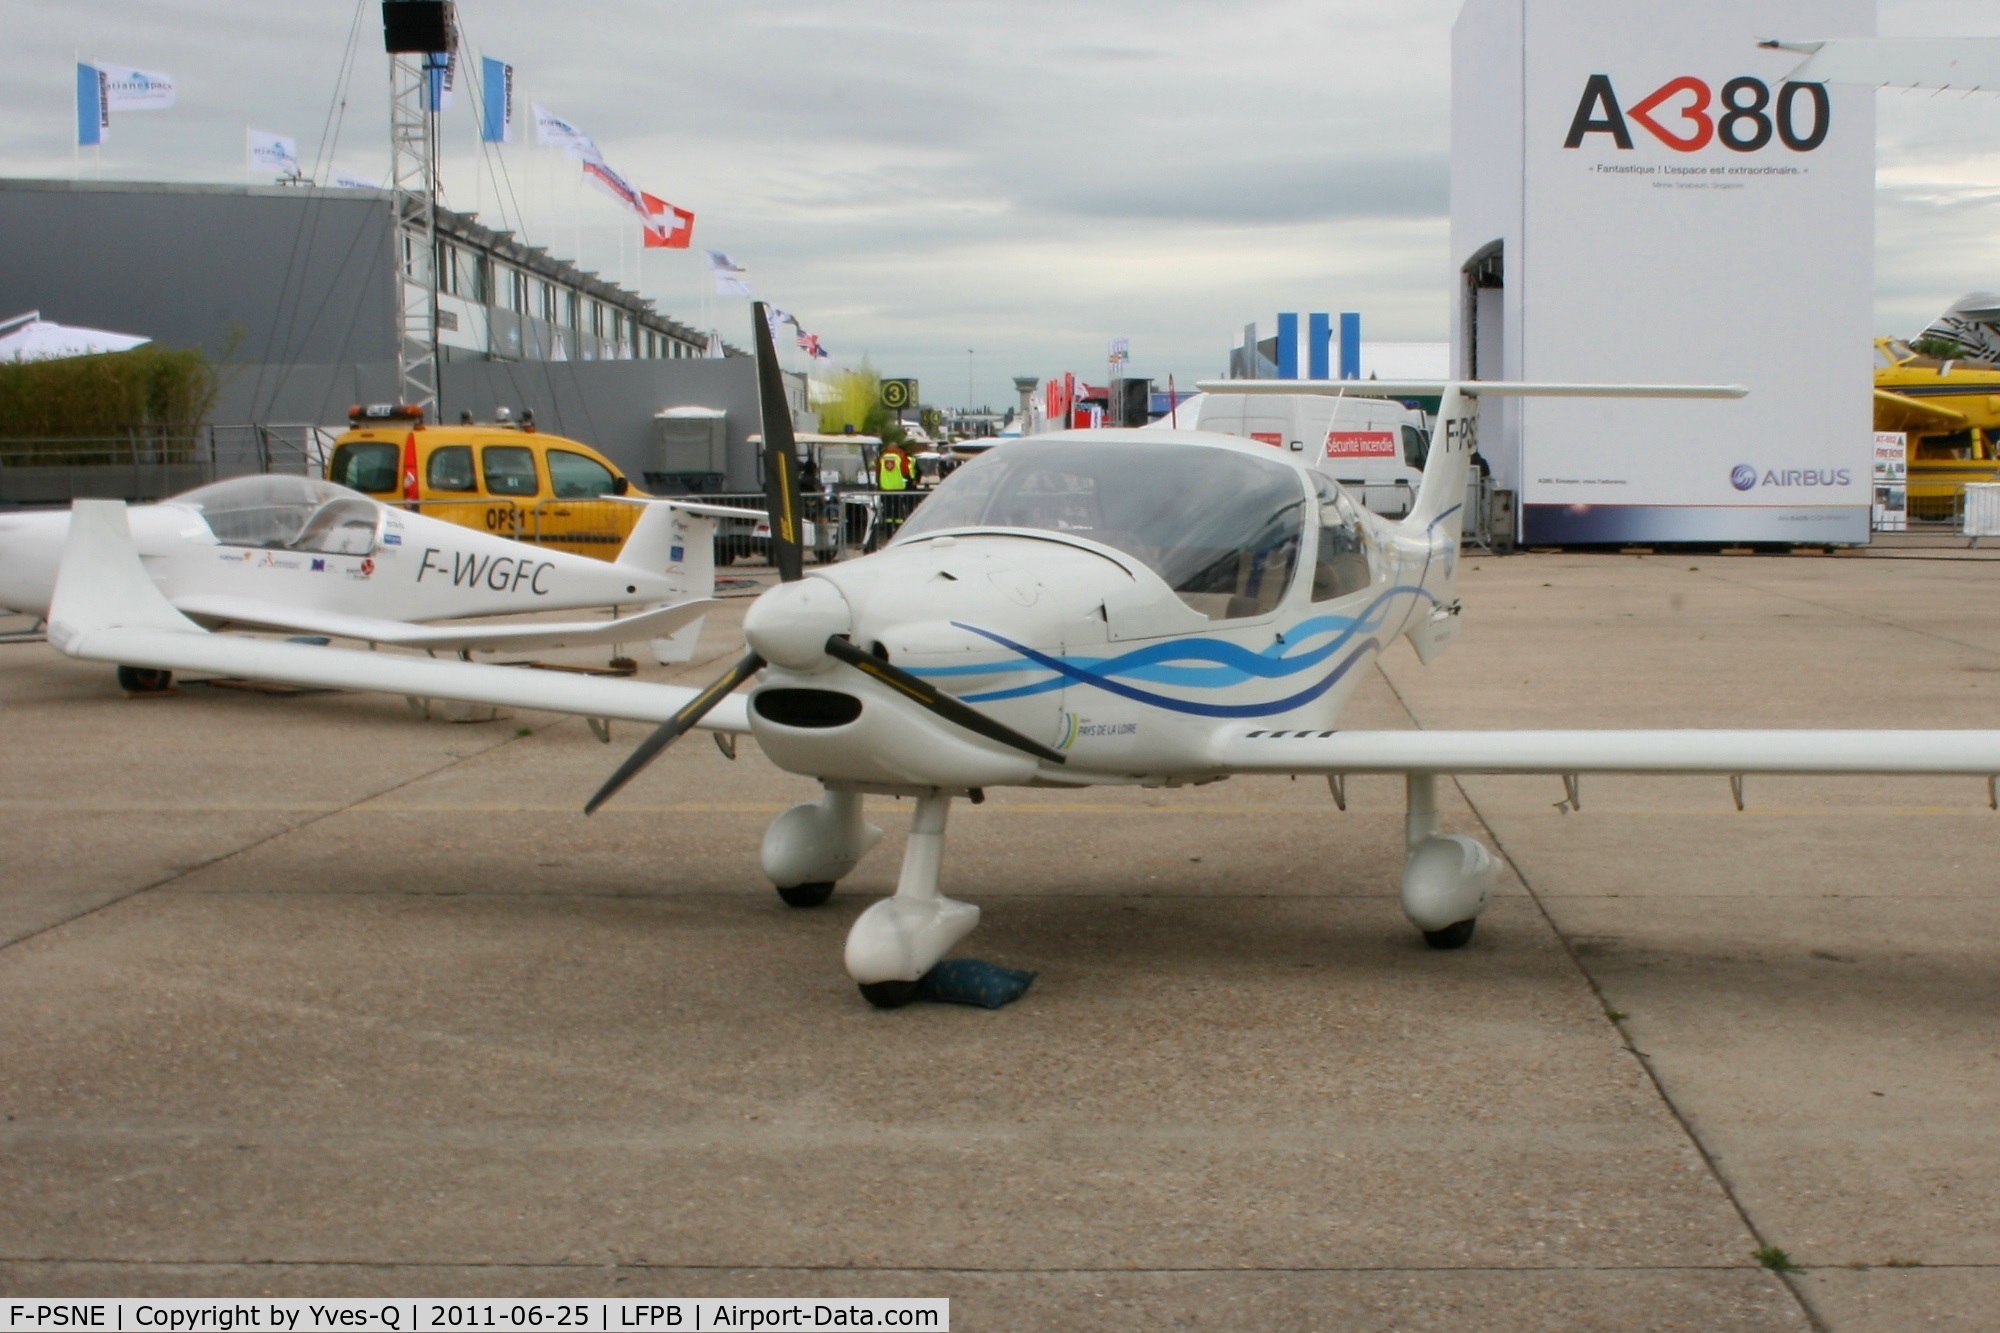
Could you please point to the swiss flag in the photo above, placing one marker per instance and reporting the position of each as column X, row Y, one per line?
column 667, row 227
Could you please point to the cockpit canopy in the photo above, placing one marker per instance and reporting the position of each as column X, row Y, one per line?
column 1222, row 527
column 284, row 513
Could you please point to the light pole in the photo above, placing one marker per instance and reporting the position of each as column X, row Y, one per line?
column 968, row 379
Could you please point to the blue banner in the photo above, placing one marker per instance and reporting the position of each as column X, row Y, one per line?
column 93, row 110
column 440, row 69
column 496, row 91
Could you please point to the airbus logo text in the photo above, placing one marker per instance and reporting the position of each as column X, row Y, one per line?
column 1686, row 115
column 1743, row 477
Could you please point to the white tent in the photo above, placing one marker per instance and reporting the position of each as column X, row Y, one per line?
column 29, row 337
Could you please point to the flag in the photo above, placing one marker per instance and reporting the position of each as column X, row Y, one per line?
column 729, row 275
column 440, row 72
column 598, row 172
column 496, row 92
column 93, row 106
column 129, row 89
column 344, row 180
column 552, row 130
column 810, row 342
column 667, row 227
column 274, row 152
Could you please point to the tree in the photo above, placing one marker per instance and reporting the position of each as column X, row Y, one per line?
column 854, row 398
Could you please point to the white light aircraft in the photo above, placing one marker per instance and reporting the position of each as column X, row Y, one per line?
column 309, row 557
column 1092, row 607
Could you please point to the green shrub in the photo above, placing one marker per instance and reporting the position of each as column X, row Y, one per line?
column 149, row 393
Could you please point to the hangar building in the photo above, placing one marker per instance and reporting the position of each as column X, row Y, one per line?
column 291, row 290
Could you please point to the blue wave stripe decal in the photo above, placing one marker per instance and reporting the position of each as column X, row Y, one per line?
column 1227, row 664
column 1303, row 697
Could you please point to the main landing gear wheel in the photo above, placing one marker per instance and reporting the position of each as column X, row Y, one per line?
column 1454, row 936
column 889, row 994
column 807, row 895
column 144, row 680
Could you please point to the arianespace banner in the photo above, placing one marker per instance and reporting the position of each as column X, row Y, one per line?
column 1690, row 216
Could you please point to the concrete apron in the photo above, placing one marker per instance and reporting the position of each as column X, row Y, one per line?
column 393, row 1017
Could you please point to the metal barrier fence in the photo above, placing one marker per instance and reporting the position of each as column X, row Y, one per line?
column 143, row 465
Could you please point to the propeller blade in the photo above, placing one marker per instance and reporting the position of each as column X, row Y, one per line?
column 936, row 700
column 670, row 731
column 781, row 453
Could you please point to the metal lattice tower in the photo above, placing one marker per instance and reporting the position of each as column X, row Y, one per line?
column 413, row 183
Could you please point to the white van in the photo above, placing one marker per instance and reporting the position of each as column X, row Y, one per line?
column 1372, row 446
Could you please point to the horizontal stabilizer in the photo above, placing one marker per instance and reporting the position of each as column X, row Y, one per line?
column 1471, row 388
column 515, row 636
column 1971, row 753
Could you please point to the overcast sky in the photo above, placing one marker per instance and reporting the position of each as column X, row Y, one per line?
column 1023, row 179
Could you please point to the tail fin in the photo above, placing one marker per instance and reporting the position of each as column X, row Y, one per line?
column 674, row 540
column 102, row 584
column 680, row 542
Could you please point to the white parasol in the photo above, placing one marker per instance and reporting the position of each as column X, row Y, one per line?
column 29, row 337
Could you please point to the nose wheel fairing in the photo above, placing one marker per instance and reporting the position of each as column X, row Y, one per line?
column 902, row 937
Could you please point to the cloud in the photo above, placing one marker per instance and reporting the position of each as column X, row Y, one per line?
column 1264, row 194
column 1026, row 177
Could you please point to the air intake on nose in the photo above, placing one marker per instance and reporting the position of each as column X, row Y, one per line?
column 807, row 708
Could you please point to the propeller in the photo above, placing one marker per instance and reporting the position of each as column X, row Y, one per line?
column 929, row 696
column 671, row 730
column 781, row 502
column 781, row 453
column 795, row 610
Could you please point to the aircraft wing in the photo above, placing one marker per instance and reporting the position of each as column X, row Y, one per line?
column 1971, row 753
column 516, row 637
column 1897, row 411
column 106, row 609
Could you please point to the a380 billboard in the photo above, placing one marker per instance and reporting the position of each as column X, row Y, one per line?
column 1685, row 215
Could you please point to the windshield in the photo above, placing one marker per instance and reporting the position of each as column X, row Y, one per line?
column 1221, row 527
column 286, row 513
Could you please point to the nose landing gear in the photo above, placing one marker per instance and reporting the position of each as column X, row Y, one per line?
column 896, row 941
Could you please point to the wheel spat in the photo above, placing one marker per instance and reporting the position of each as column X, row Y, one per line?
column 671, row 730
column 929, row 696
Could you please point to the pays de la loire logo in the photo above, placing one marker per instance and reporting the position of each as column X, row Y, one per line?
column 1686, row 115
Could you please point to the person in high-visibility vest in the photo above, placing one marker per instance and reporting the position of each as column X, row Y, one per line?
column 893, row 469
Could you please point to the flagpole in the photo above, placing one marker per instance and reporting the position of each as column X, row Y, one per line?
column 76, row 115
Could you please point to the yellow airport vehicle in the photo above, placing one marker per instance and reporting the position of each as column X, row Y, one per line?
column 501, row 477
column 1950, row 412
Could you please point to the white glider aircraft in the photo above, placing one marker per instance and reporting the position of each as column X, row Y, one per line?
column 309, row 557
column 1091, row 607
